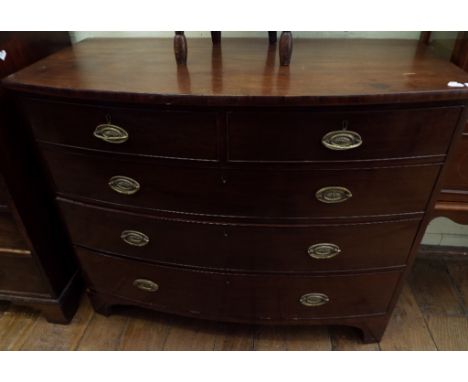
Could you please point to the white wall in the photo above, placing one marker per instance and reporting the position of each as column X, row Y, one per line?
column 78, row 36
column 441, row 231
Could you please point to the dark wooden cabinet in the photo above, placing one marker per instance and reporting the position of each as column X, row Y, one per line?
column 236, row 190
column 453, row 198
column 37, row 265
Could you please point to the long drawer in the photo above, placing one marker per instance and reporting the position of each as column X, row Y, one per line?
column 239, row 297
column 246, row 248
column 172, row 134
column 330, row 136
column 19, row 274
column 242, row 192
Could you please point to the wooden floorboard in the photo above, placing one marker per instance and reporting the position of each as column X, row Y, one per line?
column 450, row 333
column 15, row 326
column 407, row 329
column 103, row 333
column 458, row 272
column 431, row 314
column 186, row 334
column 145, row 330
column 440, row 289
column 434, row 289
column 292, row 338
column 347, row 339
column 46, row 336
column 236, row 337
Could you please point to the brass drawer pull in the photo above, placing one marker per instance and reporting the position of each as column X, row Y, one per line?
column 146, row 285
column 314, row 299
column 340, row 140
column 111, row 133
column 333, row 194
column 124, row 185
column 135, row 238
column 323, row 250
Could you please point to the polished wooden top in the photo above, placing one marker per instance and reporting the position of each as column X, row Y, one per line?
column 245, row 72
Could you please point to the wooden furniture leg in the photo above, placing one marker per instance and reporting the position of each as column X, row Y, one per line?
column 99, row 303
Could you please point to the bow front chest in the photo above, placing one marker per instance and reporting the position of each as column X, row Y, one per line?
column 234, row 189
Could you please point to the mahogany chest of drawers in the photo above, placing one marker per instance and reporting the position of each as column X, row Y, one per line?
column 234, row 189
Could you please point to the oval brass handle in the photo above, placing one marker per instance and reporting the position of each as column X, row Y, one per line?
column 124, row 185
column 111, row 133
column 135, row 238
column 340, row 140
column 314, row 299
column 323, row 250
column 146, row 285
column 333, row 194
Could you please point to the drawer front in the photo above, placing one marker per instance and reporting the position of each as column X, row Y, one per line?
column 239, row 297
column 185, row 135
column 298, row 136
column 19, row 274
column 234, row 192
column 10, row 236
column 315, row 248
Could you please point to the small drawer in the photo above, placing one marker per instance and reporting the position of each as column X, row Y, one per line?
column 10, row 237
column 243, row 248
column 19, row 274
column 340, row 136
column 239, row 297
column 242, row 192
column 167, row 134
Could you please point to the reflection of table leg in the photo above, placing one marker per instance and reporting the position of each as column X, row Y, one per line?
column 180, row 48
column 285, row 48
column 215, row 37
column 272, row 37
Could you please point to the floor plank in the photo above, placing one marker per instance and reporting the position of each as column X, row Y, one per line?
column 46, row 336
column 308, row 338
column 146, row 330
column 433, row 289
column 449, row 332
column 236, row 337
column 192, row 334
column 458, row 271
column 269, row 338
column 103, row 333
column 347, row 339
column 292, row 338
column 407, row 329
column 15, row 325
